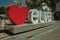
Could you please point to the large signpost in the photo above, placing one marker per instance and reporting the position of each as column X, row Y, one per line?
column 18, row 15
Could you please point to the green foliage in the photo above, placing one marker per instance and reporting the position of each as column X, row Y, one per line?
column 34, row 3
column 2, row 10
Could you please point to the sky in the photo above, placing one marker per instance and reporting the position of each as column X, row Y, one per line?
column 3, row 2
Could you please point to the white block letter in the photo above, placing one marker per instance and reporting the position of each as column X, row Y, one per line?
column 33, row 16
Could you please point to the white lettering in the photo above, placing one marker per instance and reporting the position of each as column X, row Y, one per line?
column 33, row 16
column 36, row 16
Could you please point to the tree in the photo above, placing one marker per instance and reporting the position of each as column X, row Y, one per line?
column 2, row 10
column 34, row 3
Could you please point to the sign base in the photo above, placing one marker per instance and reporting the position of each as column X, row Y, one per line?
column 26, row 27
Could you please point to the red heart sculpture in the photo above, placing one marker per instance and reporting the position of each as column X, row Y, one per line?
column 17, row 14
